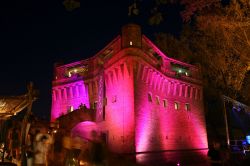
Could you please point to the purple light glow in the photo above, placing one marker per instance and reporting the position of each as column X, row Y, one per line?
column 248, row 139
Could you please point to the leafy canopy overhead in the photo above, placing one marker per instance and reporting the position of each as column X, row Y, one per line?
column 215, row 34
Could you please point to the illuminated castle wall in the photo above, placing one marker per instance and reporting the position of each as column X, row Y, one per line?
column 144, row 101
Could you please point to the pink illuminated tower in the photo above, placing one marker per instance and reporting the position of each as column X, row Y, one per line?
column 143, row 101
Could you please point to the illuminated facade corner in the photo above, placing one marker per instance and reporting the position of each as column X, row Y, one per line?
column 144, row 101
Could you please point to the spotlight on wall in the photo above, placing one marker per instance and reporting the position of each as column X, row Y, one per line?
column 234, row 108
column 238, row 108
column 248, row 139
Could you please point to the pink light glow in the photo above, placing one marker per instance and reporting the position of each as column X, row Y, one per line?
column 183, row 129
column 120, row 107
column 133, row 123
column 70, row 94
column 147, row 129
column 143, row 133
column 190, row 157
column 158, row 128
column 84, row 130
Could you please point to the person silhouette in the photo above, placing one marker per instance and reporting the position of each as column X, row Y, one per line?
column 214, row 155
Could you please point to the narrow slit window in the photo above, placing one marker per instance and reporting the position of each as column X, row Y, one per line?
column 187, row 107
column 176, row 105
column 165, row 103
column 150, row 97
column 157, row 100
column 70, row 109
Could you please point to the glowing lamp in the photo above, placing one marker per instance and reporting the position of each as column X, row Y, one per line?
column 248, row 139
column 71, row 108
column 69, row 74
column 176, row 105
column 179, row 71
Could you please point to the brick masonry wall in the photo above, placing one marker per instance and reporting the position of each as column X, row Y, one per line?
column 120, row 107
column 160, row 127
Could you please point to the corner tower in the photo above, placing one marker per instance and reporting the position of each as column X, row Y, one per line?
column 119, row 81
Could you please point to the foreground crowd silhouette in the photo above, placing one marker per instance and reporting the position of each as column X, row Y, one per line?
column 45, row 147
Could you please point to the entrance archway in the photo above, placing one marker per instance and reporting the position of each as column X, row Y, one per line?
column 84, row 130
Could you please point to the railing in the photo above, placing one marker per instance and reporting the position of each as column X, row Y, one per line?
column 240, row 146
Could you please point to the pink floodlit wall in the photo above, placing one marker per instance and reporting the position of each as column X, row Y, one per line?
column 120, row 106
column 137, row 95
column 67, row 97
column 158, row 125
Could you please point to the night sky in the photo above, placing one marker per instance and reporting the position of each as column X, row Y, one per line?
column 36, row 34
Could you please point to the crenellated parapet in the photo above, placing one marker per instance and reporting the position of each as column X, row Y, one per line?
column 168, row 66
column 161, row 83
column 118, row 72
column 138, row 97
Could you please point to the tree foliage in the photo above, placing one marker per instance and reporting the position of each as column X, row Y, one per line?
column 217, row 36
column 71, row 5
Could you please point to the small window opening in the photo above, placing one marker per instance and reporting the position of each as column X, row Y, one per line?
column 165, row 103
column 176, row 105
column 150, row 97
column 187, row 107
column 157, row 100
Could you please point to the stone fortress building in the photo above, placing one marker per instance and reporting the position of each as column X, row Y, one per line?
column 142, row 100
